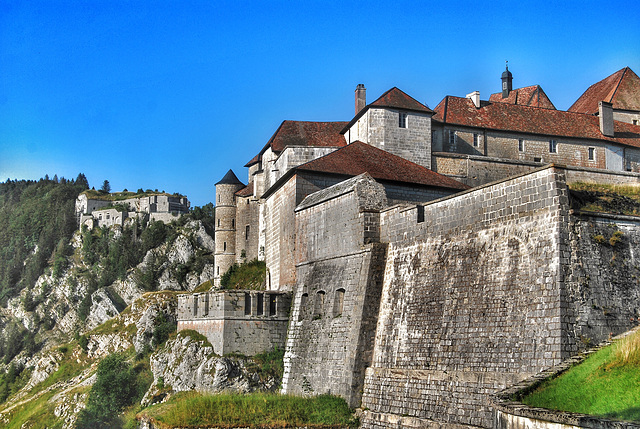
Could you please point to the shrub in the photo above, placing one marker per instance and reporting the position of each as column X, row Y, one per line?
column 115, row 388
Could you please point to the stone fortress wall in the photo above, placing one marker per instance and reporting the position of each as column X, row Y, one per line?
column 470, row 293
column 238, row 321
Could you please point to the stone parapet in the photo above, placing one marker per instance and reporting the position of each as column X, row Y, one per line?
column 245, row 322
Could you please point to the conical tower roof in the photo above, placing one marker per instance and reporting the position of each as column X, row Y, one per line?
column 230, row 179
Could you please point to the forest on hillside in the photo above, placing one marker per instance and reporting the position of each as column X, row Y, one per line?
column 36, row 219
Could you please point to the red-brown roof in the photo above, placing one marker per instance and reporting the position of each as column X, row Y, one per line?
column 394, row 99
column 302, row 133
column 397, row 99
column 532, row 96
column 622, row 89
column 247, row 191
column 358, row 158
column 531, row 120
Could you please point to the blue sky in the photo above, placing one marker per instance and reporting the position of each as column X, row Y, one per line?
column 171, row 94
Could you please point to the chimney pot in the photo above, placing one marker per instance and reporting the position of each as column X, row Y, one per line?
column 475, row 97
column 361, row 97
column 605, row 111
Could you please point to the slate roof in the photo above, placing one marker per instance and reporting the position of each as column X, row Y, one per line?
column 532, row 96
column 358, row 158
column 531, row 120
column 622, row 89
column 230, row 179
column 394, row 99
column 303, row 133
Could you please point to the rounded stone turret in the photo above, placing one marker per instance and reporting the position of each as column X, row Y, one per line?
column 225, row 229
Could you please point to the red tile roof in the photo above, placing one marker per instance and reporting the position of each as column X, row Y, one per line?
column 532, row 96
column 247, row 191
column 358, row 158
column 394, row 99
column 531, row 120
column 398, row 99
column 622, row 89
column 302, row 133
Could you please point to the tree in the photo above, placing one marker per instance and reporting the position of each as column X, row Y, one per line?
column 106, row 187
column 82, row 181
column 116, row 387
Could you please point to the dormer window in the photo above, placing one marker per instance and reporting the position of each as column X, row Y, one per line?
column 402, row 119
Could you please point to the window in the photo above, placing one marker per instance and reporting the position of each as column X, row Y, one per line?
column 272, row 305
column 553, row 146
column 520, row 145
column 420, row 209
column 233, row 223
column 247, row 304
column 260, row 304
column 475, row 139
column 338, row 302
column 453, row 139
column 303, row 306
column 247, row 229
column 224, row 246
column 218, row 222
column 218, row 270
column 537, row 159
column 319, row 305
column 402, row 120
column 592, row 153
column 635, row 122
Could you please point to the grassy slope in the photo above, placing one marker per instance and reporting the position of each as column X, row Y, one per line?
column 253, row 410
column 607, row 384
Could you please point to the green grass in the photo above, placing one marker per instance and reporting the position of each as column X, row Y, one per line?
column 607, row 384
column 249, row 275
column 621, row 199
column 191, row 409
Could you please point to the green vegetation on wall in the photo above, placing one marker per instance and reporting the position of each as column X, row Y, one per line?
column 248, row 275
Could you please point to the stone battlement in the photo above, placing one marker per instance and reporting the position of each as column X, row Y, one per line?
column 239, row 321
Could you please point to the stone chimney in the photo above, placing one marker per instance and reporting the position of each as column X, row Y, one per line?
column 361, row 97
column 605, row 111
column 475, row 97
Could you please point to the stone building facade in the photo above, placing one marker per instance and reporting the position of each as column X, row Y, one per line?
column 239, row 321
column 92, row 212
column 419, row 312
column 413, row 295
column 467, row 139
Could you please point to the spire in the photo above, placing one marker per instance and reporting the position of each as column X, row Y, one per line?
column 507, row 81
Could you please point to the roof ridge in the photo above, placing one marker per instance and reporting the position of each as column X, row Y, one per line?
column 624, row 70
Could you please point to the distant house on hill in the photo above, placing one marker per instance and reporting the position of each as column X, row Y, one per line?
column 109, row 210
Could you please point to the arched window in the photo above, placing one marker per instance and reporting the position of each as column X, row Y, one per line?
column 303, row 307
column 338, row 302
column 318, row 310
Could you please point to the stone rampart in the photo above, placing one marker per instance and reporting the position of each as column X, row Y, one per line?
column 339, row 275
column 471, row 300
column 243, row 321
